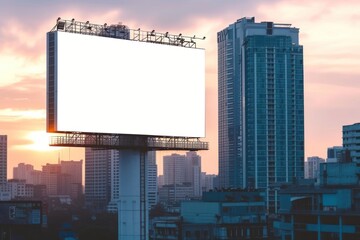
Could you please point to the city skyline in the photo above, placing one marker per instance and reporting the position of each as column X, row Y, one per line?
column 331, row 55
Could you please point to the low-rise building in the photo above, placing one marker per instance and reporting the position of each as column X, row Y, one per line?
column 328, row 211
column 230, row 214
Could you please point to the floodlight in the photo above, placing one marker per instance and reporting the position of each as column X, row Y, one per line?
column 60, row 25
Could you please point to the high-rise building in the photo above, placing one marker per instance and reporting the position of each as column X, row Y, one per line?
column 152, row 188
column 51, row 177
column 97, row 178
column 183, row 170
column 3, row 159
column 207, row 181
column 193, row 172
column 73, row 169
column 174, row 169
column 28, row 173
column 23, row 172
column 72, row 172
column 312, row 167
column 261, row 105
column 351, row 140
column 114, row 181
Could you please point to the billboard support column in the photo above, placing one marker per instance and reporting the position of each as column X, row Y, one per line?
column 132, row 210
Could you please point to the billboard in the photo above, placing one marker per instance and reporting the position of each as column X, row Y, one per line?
column 106, row 85
column 20, row 212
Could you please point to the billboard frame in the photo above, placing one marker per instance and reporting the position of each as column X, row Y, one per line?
column 118, row 31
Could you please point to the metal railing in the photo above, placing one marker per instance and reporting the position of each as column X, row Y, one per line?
column 123, row 32
column 115, row 141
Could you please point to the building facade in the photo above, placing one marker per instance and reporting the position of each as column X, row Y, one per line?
column 185, row 171
column 51, row 177
column 97, row 178
column 3, row 159
column 330, row 210
column 235, row 214
column 24, row 172
column 351, row 140
column 312, row 167
column 334, row 154
column 261, row 105
column 152, row 183
column 174, row 169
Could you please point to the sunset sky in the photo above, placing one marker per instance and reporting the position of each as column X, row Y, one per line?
column 329, row 32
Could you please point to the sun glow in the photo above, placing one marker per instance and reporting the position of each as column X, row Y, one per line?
column 40, row 141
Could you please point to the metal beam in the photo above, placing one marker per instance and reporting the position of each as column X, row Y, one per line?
column 116, row 141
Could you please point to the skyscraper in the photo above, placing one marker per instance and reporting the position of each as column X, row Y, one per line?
column 152, row 188
column 97, row 178
column 3, row 159
column 261, row 104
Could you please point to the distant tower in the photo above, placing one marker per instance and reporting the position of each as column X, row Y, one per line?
column 312, row 167
column 97, row 178
column 152, row 187
column 73, row 170
column 51, row 177
column 261, row 105
column 24, row 172
column 193, row 172
column 174, row 169
column 3, row 159
column 183, row 169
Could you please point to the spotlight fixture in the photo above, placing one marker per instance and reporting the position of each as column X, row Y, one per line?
column 73, row 20
column 204, row 38
column 60, row 25
column 180, row 35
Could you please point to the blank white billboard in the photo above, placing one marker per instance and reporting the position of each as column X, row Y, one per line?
column 108, row 85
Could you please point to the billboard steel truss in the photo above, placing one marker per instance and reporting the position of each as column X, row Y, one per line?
column 122, row 31
column 116, row 141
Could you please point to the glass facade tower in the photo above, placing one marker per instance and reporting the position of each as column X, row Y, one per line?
column 261, row 105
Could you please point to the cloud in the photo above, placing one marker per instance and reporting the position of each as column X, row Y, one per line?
column 11, row 115
column 27, row 93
